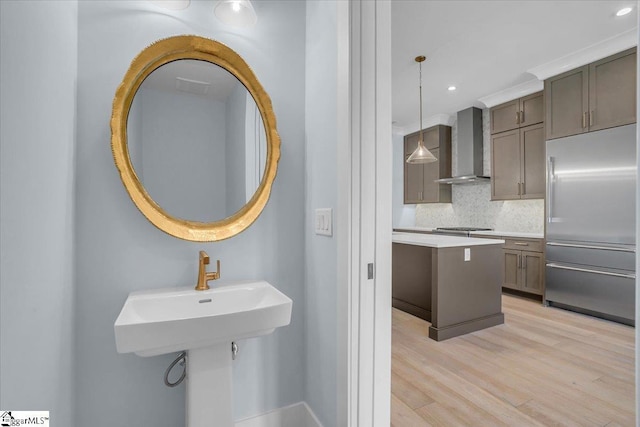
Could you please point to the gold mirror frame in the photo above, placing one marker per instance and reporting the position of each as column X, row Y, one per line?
column 153, row 57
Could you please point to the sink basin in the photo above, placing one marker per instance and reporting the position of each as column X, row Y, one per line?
column 175, row 319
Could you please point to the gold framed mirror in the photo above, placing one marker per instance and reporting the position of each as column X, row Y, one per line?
column 195, row 53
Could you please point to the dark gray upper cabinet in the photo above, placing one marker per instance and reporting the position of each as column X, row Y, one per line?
column 532, row 158
column 504, row 117
column 518, row 113
column 505, row 165
column 612, row 91
column 567, row 101
column 517, row 164
column 593, row 97
column 419, row 185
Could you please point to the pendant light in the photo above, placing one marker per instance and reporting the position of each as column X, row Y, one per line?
column 421, row 154
column 239, row 13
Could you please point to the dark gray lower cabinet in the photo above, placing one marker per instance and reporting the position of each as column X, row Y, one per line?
column 532, row 272
column 411, row 278
column 523, row 270
column 511, row 274
column 438, row 285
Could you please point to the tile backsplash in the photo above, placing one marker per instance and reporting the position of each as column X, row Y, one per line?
column 472, row 206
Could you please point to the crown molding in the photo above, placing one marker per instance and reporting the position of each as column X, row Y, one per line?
column 589, row 54
column 511, row 93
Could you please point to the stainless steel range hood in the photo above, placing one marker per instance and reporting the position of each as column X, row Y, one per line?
column 470, row 145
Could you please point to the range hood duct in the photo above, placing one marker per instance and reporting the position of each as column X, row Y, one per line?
column 470, row 146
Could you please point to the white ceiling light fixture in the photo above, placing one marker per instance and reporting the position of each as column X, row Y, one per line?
column 239, row 13
column 624, row 11
column 451, row 88
column 421, row 154
column 172, row 4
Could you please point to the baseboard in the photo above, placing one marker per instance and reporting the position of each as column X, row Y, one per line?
column 441, row 334
column 296, row 415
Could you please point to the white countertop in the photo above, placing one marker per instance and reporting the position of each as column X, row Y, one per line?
column 440, row 240
column 509, row 234
column 520, row 234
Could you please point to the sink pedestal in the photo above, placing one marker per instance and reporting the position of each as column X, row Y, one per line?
column 208, row 382
column 204, row 323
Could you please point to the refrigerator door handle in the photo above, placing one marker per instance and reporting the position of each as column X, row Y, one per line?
column 605, row 248
column 587, row 270
column 550, row 179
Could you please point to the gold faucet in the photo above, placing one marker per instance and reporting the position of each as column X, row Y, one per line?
column 203, row 276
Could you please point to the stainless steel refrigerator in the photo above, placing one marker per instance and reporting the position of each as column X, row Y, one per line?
column 590, row 229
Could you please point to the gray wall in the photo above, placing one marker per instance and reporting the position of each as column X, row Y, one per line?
column 321, row 192
column 183, row 153
column 38, row 51
column 119, row 251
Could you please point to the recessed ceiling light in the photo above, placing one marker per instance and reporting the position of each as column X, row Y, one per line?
column 623, row 11
column 171, row 4
column 451, row 88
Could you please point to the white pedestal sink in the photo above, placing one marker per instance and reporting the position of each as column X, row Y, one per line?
column 204, row 323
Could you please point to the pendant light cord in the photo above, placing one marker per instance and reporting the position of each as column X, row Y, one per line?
column 420, row 141
column 421, row 154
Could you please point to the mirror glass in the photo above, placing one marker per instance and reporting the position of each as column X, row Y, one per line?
column 196, row 140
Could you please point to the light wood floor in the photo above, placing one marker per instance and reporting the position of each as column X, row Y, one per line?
column 543, row 367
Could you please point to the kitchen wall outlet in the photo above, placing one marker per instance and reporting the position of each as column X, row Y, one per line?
column 467, row 254
column 323, row 222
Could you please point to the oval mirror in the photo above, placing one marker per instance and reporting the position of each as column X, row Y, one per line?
column 194, row 139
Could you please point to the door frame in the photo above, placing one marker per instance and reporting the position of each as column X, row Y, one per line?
column 364, row 207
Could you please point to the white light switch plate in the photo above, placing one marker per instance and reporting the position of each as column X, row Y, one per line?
column 323, row 222
column 467, row 254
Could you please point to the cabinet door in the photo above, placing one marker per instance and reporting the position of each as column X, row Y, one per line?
column 413, row 175
column 444, row 162
column 531, row 109
column 505, row 116
column 567, row 103
column 431, row 192
column 532, row 272
column 511, row 272
column 505, row 165
column 413, row 179
column 431, row 138
column 532, row 158
column 410, row 144
column 612, row 91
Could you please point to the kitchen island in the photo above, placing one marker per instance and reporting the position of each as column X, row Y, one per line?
column 453, row 282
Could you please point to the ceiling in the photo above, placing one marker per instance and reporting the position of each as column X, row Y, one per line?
column 483, row 47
